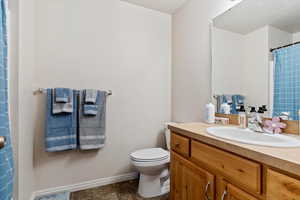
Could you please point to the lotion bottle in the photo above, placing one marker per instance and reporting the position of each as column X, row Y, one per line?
column 210, row 113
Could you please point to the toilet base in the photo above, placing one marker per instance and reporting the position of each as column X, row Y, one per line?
column 153, row 186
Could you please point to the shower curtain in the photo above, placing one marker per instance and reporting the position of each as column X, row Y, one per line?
column 6, row 155
column 287, row 81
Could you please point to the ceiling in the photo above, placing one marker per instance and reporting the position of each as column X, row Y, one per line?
column 250, row 15
column 167, row 6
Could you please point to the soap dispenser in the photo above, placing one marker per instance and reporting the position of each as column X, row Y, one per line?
column 264, row 108
column 260, row 112
column 251, row 117
column 252, row 112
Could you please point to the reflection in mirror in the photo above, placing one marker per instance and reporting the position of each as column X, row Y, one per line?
column 256, row 57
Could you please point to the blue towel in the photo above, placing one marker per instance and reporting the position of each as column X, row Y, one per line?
column 90, row 109
column 220, row 101
column 237, row 101
column 58, row 108
column 61, row 129
column 62, row 95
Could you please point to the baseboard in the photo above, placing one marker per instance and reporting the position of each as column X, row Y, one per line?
column 86, row 185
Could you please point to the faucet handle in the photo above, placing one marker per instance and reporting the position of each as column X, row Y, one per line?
column 285, row 115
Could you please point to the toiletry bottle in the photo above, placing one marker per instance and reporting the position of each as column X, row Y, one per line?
column 251, row 117
column 264, row 108
column 261, row 112
column 252, row 112
column 210, row 113
column 242, row 117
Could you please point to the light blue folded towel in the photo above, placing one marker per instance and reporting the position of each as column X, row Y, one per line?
column 61, row 107
column 90, row 109
column 62, row 95
column 90, row 96
column 61, row 129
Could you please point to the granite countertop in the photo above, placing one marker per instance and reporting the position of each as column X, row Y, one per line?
column 286, row 159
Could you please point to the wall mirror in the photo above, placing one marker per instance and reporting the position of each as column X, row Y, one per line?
column 256, row 56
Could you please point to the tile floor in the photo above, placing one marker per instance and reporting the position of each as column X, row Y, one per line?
column 119, row 191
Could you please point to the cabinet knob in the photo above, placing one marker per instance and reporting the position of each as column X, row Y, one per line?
column 177, row 145
column 2, row 142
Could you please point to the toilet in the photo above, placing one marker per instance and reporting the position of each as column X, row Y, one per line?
column 153, row 166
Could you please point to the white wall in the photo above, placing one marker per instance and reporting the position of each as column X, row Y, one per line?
column 227, row 62
column 244, row 60
column 105, row 44
column 191, row 75
column 278, row 38
column 13, row 15
column 296, row 37
column 256, row 67
column 240, row 66
column 26, row 101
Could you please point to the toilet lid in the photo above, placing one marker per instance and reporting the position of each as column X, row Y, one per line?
column 150, row 154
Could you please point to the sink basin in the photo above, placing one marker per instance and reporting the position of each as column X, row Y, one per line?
column 250, row 137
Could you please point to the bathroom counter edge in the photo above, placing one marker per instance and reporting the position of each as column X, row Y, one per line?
column 286, row 159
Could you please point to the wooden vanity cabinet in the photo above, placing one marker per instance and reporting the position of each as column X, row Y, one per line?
column 244, row 172
column 203, row 172
column 180, row 144
column 231, row 192
column 282, row 187
column 189, row 182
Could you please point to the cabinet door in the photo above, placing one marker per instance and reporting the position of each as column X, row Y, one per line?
column 282, row 187
column 176, row 177
column 190, row 182
column 233, row 193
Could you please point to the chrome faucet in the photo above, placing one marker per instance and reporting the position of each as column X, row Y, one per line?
column 256, row 124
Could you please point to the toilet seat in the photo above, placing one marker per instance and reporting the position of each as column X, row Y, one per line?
column 150, row 155
column 152, row 164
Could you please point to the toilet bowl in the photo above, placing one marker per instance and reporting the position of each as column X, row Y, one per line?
column 153, row 166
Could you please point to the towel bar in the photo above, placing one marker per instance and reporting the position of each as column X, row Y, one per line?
column 44, row 90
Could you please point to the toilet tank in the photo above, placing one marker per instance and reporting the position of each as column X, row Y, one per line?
column 168, row 135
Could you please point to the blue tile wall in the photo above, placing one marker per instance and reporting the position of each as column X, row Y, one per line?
column 6, row 154
column 287, row 81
